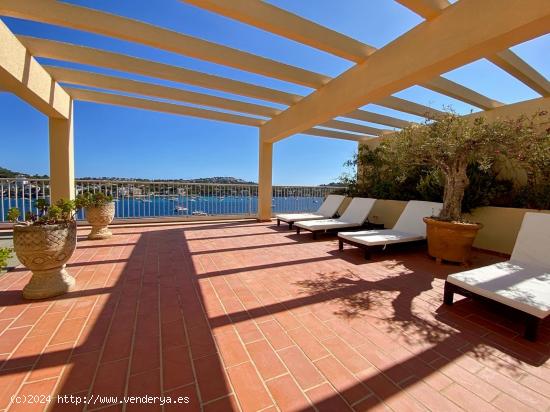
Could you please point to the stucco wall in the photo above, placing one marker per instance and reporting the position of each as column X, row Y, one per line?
column 501, row 227
column 500, row 224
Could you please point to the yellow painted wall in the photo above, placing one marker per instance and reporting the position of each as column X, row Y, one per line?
column 501, row 227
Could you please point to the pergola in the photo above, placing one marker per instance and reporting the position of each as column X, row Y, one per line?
column 451, row 36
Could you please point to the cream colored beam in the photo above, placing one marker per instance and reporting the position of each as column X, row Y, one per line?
column 101, row 58
column 61, row 158
column 101, row 81
column 22, row 75
column 456, row 37
column 353, row 127
column 76, row 17
column 371, row 117
column 444, row 86
column 291, row 26
column 507, row 60
column 514, row 65
column 275, row 20
column 98, row 22
column 406, row 106
column 126, row 101
column 265, row 180
column 335, row 134
column 428, row 9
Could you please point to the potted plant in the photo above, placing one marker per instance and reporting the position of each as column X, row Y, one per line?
column 5, row 254
column 44, row 242
column 100, row 212
column 450, row 144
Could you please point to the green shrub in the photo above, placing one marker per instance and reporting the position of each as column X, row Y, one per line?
column 5, row 254
column 89, row 199
column 399, row 170
column 62, row 211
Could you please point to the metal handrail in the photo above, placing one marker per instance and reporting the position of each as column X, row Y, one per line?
column 153, row 198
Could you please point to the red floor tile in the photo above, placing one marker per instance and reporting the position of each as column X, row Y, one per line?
column 246, row 315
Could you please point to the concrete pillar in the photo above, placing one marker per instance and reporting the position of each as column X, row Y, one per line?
column 61, row 158
column 265, row 185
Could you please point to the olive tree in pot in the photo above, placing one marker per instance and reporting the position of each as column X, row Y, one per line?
column 450, row 143
column 44, row 242
column 100, row 212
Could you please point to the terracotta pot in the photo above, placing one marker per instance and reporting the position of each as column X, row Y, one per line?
column 100, row 217
column 44, row 250
column 451, row 241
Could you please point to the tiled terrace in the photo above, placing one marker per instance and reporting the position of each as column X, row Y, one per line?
column 248, row 316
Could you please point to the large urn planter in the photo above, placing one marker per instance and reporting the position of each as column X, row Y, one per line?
column 451, row 241
column 100, row 217
column 44, row 250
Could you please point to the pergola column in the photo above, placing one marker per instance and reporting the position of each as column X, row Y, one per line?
column 62, row 184
column 265, row 185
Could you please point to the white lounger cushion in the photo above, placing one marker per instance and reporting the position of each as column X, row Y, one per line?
column 380, row 237
column 533, row 241
column 408, row 228
column 325, row 224
column 515, row 284
column 355, row 215
column 524, row 281
column 411, row 221
column 327, row 209
column 294, row 217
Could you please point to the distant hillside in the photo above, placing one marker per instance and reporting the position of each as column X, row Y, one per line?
column 220, row 180
column 7, row 173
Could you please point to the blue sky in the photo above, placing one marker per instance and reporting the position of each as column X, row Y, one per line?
column 124, row 142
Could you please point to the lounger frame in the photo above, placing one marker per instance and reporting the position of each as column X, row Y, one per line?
column 367, row 250
column 531, row 322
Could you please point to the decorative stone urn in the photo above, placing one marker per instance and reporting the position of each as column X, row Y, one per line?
column 44, row 250
column 100, row 217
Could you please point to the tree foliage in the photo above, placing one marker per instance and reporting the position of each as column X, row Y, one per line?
column 452, row 158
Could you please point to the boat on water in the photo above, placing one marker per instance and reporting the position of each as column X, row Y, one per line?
column 199, row 213
column 178, row 209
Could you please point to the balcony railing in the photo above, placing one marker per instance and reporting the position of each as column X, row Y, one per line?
column 147, row 199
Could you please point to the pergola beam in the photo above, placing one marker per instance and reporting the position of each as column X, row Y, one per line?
column 283, row 23
column 371, row 117
column 334, row 134
column 517, row 67
column 134, row 102
column 100, row 58
column 98, row 22
column 101, row 81
column 456, row 37
column 275, row 20
column 22, row 75
column 353, row 127
column 402, row 105
column 445, row 86
column 507, row 60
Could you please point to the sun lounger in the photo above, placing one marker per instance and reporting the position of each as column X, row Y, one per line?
column 327, row 210
column 409, row 228
column 354, row 216
column 522, row 283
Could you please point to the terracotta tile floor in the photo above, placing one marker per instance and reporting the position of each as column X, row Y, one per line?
column 247, row 316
